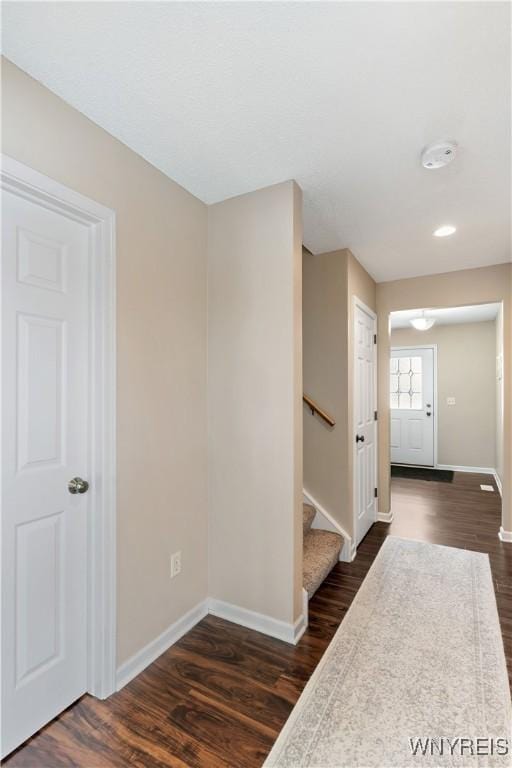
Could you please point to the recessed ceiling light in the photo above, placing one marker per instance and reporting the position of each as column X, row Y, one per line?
column 445, row 231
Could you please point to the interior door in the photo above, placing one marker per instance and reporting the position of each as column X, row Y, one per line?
column 45, row 367
column 365, row 425
column 412, row 406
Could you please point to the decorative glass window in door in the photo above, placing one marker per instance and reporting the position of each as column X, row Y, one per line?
column 405, row 383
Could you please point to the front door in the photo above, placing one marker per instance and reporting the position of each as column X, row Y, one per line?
column 365, row 431
column 412, row 406
column 45, row 416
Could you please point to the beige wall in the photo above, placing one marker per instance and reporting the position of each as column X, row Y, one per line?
column 466, row 431
column 471, row 286
column 161, row 350
column 254, row 399
column 330, row 281
column 499, row 396
column 324, row 320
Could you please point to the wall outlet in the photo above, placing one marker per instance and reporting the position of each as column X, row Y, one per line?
column 450, row 401
column 175, row 564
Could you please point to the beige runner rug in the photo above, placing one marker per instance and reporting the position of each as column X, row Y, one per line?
column 415, row 675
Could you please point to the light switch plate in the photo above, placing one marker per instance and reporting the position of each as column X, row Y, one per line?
column 450, row 401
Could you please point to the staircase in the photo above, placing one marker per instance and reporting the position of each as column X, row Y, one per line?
column 321, row 551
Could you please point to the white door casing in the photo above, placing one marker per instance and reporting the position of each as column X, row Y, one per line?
column 412, row 405
column 365, row 421
column 58, row 422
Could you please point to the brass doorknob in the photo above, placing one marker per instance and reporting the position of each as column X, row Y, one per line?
column 77, row 485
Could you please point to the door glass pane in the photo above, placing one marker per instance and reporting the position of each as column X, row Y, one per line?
column 416, row 401
column 406, row 388
column 404, row 383
column 416, row 382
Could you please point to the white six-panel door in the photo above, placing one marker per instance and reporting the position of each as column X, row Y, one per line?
column 412, row 406
column 45, row 417
column 365, row 427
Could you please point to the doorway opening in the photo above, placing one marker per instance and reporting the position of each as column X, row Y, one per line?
column 446, row 392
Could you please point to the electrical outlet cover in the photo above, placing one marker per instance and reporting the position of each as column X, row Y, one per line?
column 175, row 564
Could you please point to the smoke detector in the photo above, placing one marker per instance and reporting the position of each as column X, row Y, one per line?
column 438, row 154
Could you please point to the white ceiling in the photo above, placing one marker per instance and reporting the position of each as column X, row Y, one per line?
column 229, row 97
column 449, row 316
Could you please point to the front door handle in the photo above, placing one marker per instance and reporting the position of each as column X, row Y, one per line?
column 428, row 413
column 359, row 438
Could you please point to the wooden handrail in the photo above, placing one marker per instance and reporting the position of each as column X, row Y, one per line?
column 315, row 408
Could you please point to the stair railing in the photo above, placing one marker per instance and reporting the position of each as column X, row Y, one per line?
column 315, row 408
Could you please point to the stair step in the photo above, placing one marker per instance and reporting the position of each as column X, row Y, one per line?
column 321, row 553
column 308, row 515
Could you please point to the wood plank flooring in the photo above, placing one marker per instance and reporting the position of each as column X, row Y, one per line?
column 220, row 696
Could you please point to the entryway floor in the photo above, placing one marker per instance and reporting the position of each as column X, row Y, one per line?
column 220, row 696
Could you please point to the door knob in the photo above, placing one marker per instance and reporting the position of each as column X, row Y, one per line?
column 428, row 413
column 359, row 438
column 77, row 485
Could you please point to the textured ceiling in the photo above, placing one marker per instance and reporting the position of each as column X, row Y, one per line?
column 228, row 97
column 479, row 313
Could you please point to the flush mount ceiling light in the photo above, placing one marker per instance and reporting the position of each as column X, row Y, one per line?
column 422, row 323
column 438, row 154
column 445, row 231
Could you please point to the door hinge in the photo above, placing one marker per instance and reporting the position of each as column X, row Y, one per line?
column 375, row 415
column 375, row 493
column 374, row 338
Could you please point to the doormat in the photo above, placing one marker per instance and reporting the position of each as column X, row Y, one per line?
column 422, row 473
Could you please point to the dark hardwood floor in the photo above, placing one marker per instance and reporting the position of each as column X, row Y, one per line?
column 220, row 696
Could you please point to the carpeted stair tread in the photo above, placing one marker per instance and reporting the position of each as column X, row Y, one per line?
column 321, row 553
column 308, row 515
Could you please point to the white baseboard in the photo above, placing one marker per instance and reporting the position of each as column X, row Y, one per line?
column 143, row 658
column 302, row 622
column 498, row 483
column 385, row 517
column 476, row 470
column 305, row 605
column 290, row 633
column 505, row 536
column 326, row 522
